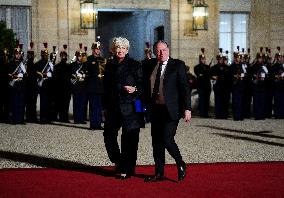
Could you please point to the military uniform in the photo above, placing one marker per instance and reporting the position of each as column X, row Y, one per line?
column 78, row 87
column 147, row 67
column 32, row 89
column 277, row 73
column 219, row 73
column 202, row 72
column 17, row 72
column 259, row 72
column 268, row 84
column 44, row 79
column 94, row 86
column 4, row 87
column 62, row 87
column 248, row 85
column 238, row 72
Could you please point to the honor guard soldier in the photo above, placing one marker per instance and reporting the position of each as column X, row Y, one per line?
column 259, row 72
column 238, row 72
column 202, row 72
column 269, row 83
column 245, row 61
column 52, row 55
column 78, row 86
column 62, row 88
column 32, row 89
column 147, row 66
column 52, row 58
column 44, row 74
column 94, row 84
column 278, row 79
column 17, row 74
column 219, row 74
column 4, row 87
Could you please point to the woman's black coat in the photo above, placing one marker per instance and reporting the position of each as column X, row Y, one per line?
column 120, row 105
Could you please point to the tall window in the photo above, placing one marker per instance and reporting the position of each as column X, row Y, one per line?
column 18, row 19
column 233, row 32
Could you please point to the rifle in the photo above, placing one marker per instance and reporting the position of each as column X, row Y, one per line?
column 20, row 68
column 76, row 77
column 45, row 70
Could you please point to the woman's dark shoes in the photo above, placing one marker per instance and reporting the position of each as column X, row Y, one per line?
column 181, row 171
column 155, row 178
column 123, row 176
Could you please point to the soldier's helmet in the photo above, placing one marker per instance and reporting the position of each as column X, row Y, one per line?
column 226, row 55
column 96, row 45
column 63, row 52
column 260, row 54
column 147, row 48
column 202, row 54
column 247, row 55
column 18, row 47
column 237, row 55
column 220, row 54
column 278, row 53
column 30, row 52
column 52, row 55
column 44, row 51
column 267, row 54
column 80, row 51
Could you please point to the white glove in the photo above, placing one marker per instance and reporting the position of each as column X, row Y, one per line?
column 80, row 75
column 51, row 66
column 265, row 69
column 244, row 66
column 262, row 75
column 23, row 67
column 49, row 74
column 20, row 75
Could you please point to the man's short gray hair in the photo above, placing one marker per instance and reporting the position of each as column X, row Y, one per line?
column 120, row 42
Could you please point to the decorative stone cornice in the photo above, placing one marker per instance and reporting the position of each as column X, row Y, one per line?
column 16, row 2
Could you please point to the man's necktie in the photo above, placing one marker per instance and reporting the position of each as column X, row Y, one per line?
column 157, row 82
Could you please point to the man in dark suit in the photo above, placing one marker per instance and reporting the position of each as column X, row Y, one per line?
column 170, row 101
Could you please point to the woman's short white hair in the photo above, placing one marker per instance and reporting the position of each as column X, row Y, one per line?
column 120, row 42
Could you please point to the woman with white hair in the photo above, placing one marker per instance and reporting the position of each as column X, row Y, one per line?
column 123, row 86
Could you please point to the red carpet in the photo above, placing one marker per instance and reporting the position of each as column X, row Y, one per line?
column 203, row 180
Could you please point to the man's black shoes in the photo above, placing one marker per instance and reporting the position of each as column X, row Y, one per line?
column 97, row 128
column 155, row 178
column 181, row 171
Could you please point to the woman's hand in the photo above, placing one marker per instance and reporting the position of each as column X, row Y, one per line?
column 130, row 89
column 187, row 115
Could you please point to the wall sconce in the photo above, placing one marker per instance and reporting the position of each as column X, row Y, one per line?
column 200, row 15
column 87, row 14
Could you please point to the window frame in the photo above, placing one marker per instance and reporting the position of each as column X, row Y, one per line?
column 232, row 33
column 8, row 21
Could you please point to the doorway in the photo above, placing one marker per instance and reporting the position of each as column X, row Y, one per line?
column 138, row 26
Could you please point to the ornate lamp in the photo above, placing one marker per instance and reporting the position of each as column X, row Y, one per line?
column 87, row 14
column 200, row 15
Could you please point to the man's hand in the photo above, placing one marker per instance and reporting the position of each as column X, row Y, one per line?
column 187, row 115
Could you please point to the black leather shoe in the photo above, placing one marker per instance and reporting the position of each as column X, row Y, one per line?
column 155, row 178
column 97, row 128
column 181, row 171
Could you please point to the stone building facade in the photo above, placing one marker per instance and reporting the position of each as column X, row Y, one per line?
column 58, row 22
